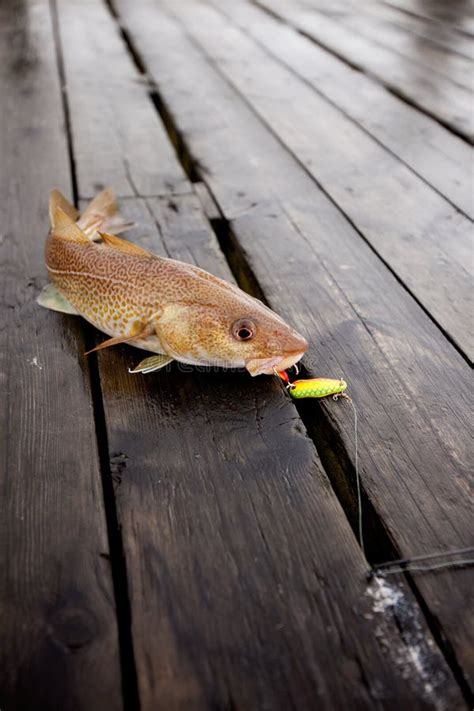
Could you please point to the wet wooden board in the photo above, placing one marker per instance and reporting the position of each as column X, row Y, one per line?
column 225, row 511
column 444, row 160
column 409, row 383
column 58, row 631
column 458, row 16
column 245, row 580
column 440, row 36
column 130, row 150
column 435, row 95
column 434, row 60
column 423, row 239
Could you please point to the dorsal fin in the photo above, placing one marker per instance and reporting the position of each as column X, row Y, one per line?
column 123, row 245
column 65, row 228
column 102, row 215
column 57, row 199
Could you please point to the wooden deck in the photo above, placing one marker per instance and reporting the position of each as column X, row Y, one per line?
column 187, row 540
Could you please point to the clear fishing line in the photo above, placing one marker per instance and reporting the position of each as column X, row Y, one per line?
column 389, row 567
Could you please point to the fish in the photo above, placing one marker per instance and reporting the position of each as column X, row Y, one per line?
column 176, row 310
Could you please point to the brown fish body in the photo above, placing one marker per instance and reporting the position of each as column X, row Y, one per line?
column 166, row 306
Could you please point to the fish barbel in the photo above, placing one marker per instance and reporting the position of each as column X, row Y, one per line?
column 161, row 305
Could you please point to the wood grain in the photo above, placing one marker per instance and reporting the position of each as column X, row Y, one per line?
column 245, row 579
column 438, row 35
column 458, row 16
column 58, row 630
column 408, row 381
column 131, row 149
column 435, row 95
column 444, row 160
column 402, row 32
column 422, row 238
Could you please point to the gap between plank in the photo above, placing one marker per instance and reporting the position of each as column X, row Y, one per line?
column 389, row 87
column 330, row 101
column 131, row 701
column 301, row 164
column 335, row 458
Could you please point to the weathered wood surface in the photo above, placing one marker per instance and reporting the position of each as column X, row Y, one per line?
column 456, row 15
column 435, row 61
column 430, row 150
column 437, row 96
column 413, row 402
column 438, row 35
column 245, row 580
column 222, row 501
column 424, row 240
column 242, row 584
column 58, row 632
column 102, row 82
column 370, row 24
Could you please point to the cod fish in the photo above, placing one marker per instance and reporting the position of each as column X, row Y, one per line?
column 173, row 309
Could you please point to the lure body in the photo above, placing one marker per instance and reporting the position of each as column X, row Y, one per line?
column 316, row 387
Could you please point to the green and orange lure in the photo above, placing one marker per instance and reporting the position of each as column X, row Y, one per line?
column 313, row 387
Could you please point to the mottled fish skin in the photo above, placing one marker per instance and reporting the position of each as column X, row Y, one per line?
column 191, row 313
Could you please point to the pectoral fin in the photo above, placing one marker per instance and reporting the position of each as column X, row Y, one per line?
column 148, row 365
column 50, row 298
column 138, row 332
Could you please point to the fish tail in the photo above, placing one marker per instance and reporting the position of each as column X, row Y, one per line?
column 101, row 215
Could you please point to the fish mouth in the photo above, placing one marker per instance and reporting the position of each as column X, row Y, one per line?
column 267, row 366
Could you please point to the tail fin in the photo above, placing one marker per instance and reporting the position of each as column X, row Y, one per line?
column 63, row 226
column 57, row 199
column 102, row 215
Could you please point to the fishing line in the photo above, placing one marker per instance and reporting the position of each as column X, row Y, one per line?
column 313, row 388
column 403, row 565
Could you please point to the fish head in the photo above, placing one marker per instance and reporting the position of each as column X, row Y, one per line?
column 230, row 329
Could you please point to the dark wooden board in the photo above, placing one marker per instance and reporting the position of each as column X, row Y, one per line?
column 131, row 149
column 218, row 489
column 438, row 35
column 426, row 242
column 455, row 15
column 409, row 383
column 437, row 96
column 58, row 632
column 245, row 580
column 434, row 60
column 444, row 160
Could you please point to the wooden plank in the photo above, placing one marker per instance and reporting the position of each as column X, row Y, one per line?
column 131, row 148
column 439, row 35
column 459, row 16
column 451, row 105
column 426, row 242
column 434, row 153
column 218, row 491
column 409, row 383
column 245, row 579
column 458, row 69
column 58, row 631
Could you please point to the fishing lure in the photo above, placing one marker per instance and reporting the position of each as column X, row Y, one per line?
column 316, row 387
column 313, row 387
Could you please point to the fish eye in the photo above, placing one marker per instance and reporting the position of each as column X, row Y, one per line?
column 243, row 330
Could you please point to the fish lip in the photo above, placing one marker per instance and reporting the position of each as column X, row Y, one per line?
column 266, row 366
